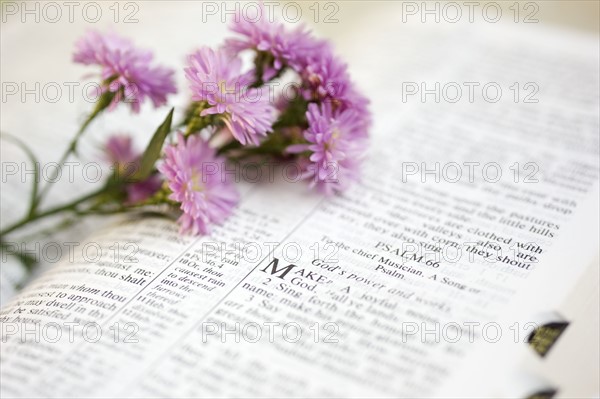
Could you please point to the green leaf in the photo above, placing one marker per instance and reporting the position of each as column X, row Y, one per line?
column 36, row 169
column 294, row 114
column 103, row 102
column 152, row 152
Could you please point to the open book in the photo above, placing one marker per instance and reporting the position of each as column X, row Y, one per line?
column 476, row 214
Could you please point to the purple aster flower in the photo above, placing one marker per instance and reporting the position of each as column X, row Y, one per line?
column 215, row 77
column 325, row 77
column 335, row 148
column 126, row 70
column 354, row 100
column 287, row 47
column 138, row 192
column 119, row 151
column 194, row 175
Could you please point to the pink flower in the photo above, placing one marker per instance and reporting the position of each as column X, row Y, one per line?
column 326, row 79
column 288, row 47
column 141, row 191
column 215, row 77
column 195, row 177
column 325, row 76
column 125, row 70
column 119, row 151
column 336, row 145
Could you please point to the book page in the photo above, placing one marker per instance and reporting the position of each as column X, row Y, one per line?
column 386, row 290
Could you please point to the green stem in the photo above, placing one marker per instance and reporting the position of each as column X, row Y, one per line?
column 232, row 145
column 101, row 105
column 52, row 211
column 70, row 150
column 261, row 60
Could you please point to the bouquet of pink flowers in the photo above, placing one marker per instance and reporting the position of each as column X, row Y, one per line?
column 319, row 123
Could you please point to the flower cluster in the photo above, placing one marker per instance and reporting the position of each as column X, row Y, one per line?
column 125, row 70
column 234, row 116
column 323, row 126
column 337, row 120
column 215, row 78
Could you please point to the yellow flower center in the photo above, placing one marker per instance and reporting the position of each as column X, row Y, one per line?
column 330, row 144
column 196, row 182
